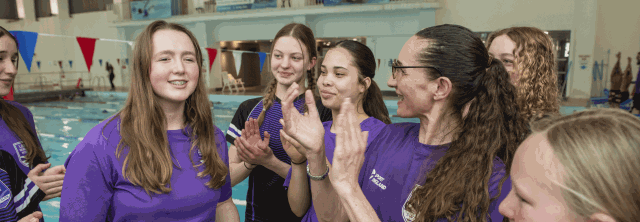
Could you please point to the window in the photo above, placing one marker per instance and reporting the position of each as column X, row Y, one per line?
column 9, row 9
column 43, row 8
column 80, row 6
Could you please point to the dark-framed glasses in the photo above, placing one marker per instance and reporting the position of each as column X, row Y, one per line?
column 395, row 68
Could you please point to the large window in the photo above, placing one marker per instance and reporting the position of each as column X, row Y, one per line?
column 80, row 6
column 9, row 9
column 43, row 8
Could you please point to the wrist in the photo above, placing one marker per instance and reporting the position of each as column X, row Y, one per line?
column 298, row 162
column 250, row 167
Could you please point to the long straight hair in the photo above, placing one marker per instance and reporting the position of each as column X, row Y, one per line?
column 19, row 125
column 303, row 34
column 143, row 123
column 365, row 62
column 457, row 188
column 608, row 137
column 536, row 63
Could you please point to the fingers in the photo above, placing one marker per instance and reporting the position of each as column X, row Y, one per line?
column 51, row 178
column 55, row 170
column 39, row 168
column 240, row 150
column 266, row 139
column 292, row 93
column 33, row 217
column 311, row 103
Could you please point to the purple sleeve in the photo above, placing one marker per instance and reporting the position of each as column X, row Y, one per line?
column 87, row 190
column 287, row 179
column 223, row 150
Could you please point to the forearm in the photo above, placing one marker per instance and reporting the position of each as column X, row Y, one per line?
column 326, row 201
column 357, row 206
column 277, row 166
column 238, row 172
column 298, row 192
column 227, row 212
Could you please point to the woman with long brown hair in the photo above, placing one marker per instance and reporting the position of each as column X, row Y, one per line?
column 160, row 157
column 450, row 166
column 23, row 161
column 529, row 56
column 261, row 156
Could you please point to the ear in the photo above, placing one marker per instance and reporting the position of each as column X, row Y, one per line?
column 443, row 89
column 312, row 63
column 367, row 83
column 601, row 217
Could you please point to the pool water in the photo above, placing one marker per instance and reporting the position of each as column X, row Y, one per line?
column 61, row 125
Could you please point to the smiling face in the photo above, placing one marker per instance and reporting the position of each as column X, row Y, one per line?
column 339, row 79
column 8, row 64
column 534, row 197
column 289, row 61
column 174, row 69
column 414, row 89
column 502, row 48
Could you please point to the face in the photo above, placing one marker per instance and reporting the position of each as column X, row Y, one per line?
column 8, row 64
column 534, row 197
column 339, row 79
column 288, row 60
column 414, row 90
column 174, row 69
column 503, row 48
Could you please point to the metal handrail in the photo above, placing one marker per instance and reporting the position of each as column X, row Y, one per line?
column 98, row 80
column 60, row 79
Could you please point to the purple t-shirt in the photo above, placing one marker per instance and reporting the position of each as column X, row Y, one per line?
column 94, row 187
column 371, row 124
column 396, row 162
column 12, row 143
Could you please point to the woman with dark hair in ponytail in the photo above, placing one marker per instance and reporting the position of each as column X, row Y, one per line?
column 254, row 133
column 347, row 71
column 450, row 166
column 23, row 162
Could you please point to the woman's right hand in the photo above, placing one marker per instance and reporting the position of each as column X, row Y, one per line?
column 292, row 147
column 307, row 129
column 50, row 181
column 33, row 217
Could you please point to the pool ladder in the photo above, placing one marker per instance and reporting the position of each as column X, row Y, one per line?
column 97, row 80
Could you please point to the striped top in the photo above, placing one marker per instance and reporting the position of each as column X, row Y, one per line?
column 266, row 197
column 19, row 195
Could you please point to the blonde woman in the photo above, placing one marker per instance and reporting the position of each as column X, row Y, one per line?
column 529, row 56
column 160, row 158
column 580, row 167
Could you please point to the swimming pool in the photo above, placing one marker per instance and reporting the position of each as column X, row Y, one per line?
column 61, row 125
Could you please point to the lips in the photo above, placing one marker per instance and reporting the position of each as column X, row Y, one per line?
column 286, row 74
column 6, row 81
column 326, row 94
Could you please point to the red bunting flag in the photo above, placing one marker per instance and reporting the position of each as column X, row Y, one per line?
column 212, row 56
column 10, row 95
column 88, row 46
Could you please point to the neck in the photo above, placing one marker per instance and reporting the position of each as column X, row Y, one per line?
column 361, row 115
column 174, row 112
column 436, row 129
column 281, row 90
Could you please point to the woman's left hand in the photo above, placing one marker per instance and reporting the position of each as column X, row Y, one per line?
column 253, row 149
column 348, row 156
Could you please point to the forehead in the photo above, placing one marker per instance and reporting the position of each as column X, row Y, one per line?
column 411, row 49
column 502, row 45
column 288, row 44
column 536, row 165
column 173, row 40
column 7, row 44
column 337, row 57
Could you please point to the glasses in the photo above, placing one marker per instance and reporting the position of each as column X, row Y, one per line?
column 395, row 68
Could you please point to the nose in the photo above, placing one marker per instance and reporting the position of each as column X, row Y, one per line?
column 393, row 83
column 285, row 63
column 178, row 67
column 506, row 208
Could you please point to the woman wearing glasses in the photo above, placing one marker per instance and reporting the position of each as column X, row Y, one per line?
column 450, row 166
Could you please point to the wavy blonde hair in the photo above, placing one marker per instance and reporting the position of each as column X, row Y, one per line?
column 536, row 63
column 149, row 163
column 599, row 151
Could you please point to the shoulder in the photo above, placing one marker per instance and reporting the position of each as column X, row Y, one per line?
column 102, row 137
column 400, row 128
column 22, row 108
column 250, row 103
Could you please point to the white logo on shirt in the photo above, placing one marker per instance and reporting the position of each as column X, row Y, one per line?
column 377, row 179
column 21, row 151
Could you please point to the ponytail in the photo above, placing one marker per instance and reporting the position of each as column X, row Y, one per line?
column 373, row 104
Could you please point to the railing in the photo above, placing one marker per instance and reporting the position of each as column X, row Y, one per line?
column 122, row 12
column 95, row 82
column 50, row 81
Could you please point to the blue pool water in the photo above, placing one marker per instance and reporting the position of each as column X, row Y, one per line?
column 61, row 125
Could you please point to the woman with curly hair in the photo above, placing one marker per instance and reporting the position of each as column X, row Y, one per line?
column 528, row 55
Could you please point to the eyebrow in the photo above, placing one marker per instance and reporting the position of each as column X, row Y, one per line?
column 283, row 52
column 335, row 67
column 506, row 54
column 172, row 53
